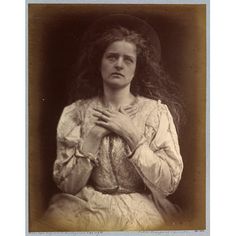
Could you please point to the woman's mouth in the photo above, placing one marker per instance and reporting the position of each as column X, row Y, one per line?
column 117, row 74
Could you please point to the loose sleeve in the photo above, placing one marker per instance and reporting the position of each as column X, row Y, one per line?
column 71, row 169
column 158, row 160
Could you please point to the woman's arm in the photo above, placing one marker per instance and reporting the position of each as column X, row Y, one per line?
column 158, row 159
column 92, row 141
column 76, row 155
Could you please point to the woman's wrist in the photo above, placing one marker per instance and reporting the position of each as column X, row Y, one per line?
column 98, row 132
column 140, row 143
column 133, row 140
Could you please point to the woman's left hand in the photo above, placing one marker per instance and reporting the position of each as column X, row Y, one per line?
column 120, row 123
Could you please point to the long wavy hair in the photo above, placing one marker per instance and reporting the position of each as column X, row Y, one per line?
column 150, row 80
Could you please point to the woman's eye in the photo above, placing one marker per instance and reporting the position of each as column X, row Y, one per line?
column 129, row 60
column 111, row 57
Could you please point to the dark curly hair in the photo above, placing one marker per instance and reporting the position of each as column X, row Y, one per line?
column 150, row 78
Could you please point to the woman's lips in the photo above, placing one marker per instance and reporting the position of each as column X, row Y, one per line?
column 117, row 74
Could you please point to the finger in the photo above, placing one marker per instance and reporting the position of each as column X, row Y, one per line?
column 132, row 110
column 101, row 117
column 122, row 110
column 97, row 113
column 104, row 112
column 132, row 115
column 127, row 108
column 103, row 124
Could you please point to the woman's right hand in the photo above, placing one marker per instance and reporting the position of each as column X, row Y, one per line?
column 92, row 141
column 101, row 132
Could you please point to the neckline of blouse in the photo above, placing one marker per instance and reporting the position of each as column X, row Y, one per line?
column 102, row 103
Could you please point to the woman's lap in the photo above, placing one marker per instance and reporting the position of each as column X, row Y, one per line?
column 91, row 210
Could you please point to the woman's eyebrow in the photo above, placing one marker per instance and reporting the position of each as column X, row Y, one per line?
column 112, row 53
column 116, row 53
column 130, row 56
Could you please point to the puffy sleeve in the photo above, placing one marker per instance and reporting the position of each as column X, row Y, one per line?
column 72, row 168
column 158, row 159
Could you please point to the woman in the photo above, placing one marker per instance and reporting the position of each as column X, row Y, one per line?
column 117, row 148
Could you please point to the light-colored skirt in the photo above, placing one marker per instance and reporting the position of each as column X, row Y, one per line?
column 91, row 210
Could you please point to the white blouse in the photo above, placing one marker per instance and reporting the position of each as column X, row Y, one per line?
column 154, row 168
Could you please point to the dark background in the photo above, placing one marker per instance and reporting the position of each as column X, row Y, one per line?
column 54, row 32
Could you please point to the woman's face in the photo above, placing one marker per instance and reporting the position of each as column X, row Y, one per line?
column 118, row 64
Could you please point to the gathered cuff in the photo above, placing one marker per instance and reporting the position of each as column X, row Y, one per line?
column 90, row 156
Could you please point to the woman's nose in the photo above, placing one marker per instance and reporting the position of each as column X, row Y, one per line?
column 119, row 64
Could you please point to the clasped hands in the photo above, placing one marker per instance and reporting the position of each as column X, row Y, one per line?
column 119, row 122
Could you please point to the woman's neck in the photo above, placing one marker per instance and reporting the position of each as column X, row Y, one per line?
column 118, row 97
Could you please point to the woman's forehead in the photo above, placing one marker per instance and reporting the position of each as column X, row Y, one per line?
column 122, row 47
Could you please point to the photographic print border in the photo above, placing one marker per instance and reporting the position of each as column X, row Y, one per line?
column 207, row 163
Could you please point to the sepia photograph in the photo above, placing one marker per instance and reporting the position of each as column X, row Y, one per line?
column 117, row 117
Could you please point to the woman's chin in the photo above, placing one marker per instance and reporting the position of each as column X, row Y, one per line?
column 116, row 84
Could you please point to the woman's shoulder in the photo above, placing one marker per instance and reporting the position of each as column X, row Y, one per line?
column 155, row 111
column 73, row 114
column 79, row 105
column 151, row 104
column 75, row 110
